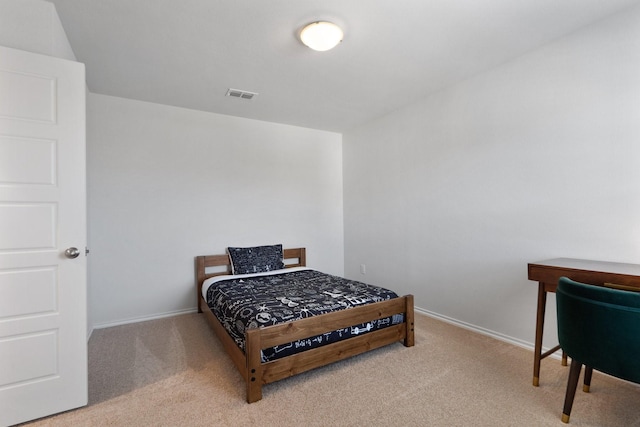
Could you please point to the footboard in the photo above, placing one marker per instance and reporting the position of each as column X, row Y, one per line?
column 257, row 373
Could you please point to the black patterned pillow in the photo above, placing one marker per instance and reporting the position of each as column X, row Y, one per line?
column 256, row 260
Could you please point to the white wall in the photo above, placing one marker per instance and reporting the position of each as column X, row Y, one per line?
column 33, row 26
column 166, row 184
column 450, row 198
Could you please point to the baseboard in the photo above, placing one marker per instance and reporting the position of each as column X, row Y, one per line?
column 143, row 318
column 493, row 334
column 474, row 328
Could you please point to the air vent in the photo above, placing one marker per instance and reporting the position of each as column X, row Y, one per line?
column 243, row 94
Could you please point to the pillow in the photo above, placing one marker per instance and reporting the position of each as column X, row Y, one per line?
column 257, row 259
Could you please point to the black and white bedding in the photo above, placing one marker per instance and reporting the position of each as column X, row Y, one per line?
column 248, row 301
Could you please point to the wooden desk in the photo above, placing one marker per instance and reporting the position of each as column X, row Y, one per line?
column 547, row 273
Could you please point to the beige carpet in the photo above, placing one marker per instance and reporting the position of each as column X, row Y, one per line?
column 174, row 372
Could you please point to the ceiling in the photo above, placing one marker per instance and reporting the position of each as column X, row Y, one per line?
column 188, row 53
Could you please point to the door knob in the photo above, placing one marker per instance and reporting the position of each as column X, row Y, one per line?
column 72, row 253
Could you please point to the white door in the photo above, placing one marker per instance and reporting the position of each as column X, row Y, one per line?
column 43, row 319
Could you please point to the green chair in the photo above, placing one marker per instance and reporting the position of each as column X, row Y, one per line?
column 598, row 327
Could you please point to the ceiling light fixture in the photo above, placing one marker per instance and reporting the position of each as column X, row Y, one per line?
column 321, row 35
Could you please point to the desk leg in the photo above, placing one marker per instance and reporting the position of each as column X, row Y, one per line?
column 537, row 356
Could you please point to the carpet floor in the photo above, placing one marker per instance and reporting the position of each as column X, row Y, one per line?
column 174, row 372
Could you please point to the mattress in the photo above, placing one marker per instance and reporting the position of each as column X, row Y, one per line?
column 248, row 301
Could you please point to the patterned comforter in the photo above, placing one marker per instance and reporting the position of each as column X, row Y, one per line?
column 253, row 300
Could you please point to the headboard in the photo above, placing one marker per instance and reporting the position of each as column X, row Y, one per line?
column 204, row 262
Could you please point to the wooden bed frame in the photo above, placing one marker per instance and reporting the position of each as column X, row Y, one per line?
column 257, row 373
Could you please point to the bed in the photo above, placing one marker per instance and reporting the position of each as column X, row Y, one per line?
column 249, row 355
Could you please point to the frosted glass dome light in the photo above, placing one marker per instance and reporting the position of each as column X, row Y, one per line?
column 321, row 35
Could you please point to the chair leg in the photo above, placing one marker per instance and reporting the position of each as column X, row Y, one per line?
column 588, row 372
column 572, row 384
